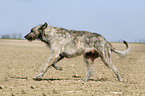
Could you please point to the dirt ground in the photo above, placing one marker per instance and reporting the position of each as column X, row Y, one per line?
column 20, row 60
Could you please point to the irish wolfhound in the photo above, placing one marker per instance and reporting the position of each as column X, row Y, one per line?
column 71, row 43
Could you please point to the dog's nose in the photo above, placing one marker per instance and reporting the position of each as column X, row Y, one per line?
column 25, row 36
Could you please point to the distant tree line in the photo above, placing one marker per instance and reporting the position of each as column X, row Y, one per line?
column 12, row 36
column 135, row 41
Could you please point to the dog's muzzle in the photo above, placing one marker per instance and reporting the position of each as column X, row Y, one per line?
column 28, row 37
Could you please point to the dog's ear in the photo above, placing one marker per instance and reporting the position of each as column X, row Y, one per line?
column 44, row 25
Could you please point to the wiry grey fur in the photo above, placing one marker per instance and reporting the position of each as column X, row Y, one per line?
column 70, row 43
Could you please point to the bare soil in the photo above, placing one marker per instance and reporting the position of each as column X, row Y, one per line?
column 20, row 60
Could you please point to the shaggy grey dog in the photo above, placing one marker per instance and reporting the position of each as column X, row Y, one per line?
column 71, row 43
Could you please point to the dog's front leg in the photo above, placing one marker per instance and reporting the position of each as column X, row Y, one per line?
column 57, row 60
column 51, row 60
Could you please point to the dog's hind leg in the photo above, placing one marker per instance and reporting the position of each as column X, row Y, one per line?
column 89, row 60
column 108, row 62
column 89, row 64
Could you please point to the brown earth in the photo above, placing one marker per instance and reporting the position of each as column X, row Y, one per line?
column 20, row 60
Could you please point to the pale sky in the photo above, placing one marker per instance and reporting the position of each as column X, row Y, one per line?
column 114, row 19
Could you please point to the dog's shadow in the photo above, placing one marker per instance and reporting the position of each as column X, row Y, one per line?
column 67, row 79
column 101, row 79
column 78, row 79
column 51, row 79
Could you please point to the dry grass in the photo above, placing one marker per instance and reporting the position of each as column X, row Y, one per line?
column 20, row 60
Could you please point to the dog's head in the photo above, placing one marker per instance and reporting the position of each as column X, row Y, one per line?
column 36, row 32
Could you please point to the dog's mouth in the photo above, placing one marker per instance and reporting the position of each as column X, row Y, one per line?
column 29, row 38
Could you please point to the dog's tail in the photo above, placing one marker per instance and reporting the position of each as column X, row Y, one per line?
column 122, row 53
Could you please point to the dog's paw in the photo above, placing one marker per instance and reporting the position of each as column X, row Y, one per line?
column 83, row 80
column 38, row 77
column 57, row 67
column 120, row 80
column 80, row 80
column 60, row 69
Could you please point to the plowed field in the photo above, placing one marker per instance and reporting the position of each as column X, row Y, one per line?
column 20, row 60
